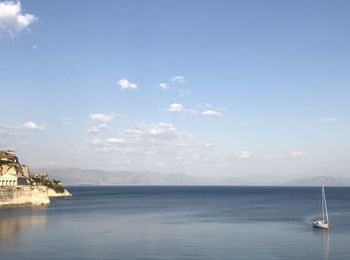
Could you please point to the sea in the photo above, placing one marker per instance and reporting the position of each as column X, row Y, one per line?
column 179, row 222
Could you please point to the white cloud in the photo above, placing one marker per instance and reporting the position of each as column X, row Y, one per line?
column 126, row 84
column 32, row 126
column 175, row 107
column 12, row 20
column 164, row 86
column 160, row 129
column 103, row 117
column 178, row 79
column 106, row 142
column 327, row 120
column 155, row 133
column 245, row 155
column 102, row 126
column 144, row 140
column 296, row 155
column 211, row 113
column 93, row 130
column 210, row 110
column 96, row 129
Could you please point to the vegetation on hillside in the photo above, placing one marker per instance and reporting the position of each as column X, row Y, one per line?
column 43, row 180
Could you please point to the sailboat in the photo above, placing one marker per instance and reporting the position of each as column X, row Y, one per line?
column 324, row 221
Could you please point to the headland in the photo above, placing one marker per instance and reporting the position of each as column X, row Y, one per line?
column 19, row 186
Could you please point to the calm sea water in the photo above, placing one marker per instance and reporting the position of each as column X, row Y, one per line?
column 179, row 223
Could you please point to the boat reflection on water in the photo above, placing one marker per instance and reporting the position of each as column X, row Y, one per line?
column 323, row 235
column 325, row 240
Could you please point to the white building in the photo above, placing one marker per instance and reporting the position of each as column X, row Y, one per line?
column 8, row 180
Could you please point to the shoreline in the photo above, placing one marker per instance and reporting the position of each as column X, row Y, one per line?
column 29, row 195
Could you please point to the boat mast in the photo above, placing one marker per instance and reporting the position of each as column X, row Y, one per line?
column 325, row 204
column 322, row 199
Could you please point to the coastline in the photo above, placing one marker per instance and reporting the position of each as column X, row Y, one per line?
column 28, row 195
column 53, row 193
column 24, row 195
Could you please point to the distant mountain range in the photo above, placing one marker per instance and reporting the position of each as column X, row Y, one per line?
column 316, row 181
column 76, row 176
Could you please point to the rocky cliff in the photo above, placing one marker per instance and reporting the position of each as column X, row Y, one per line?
column 53, row 193
column 9, row 164
column 24, row 195
column 19, row 186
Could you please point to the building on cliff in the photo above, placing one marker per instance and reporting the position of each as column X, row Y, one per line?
column 19, row 186
column 12, row 173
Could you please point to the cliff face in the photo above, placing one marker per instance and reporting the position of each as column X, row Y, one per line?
column 53, row 193
column 9, row 164
column 24, row 195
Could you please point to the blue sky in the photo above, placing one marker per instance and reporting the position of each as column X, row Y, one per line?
column 262, row 87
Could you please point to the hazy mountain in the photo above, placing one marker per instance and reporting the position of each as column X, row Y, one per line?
column 316, row 181
column 75, row 176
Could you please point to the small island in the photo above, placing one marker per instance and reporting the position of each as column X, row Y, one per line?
column 19, row 186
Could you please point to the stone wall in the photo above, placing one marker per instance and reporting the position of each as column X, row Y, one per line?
column 24, row 195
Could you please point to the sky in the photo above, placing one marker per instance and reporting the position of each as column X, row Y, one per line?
column 212, row 89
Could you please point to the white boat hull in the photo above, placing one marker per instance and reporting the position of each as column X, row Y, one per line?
column 320, row 224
